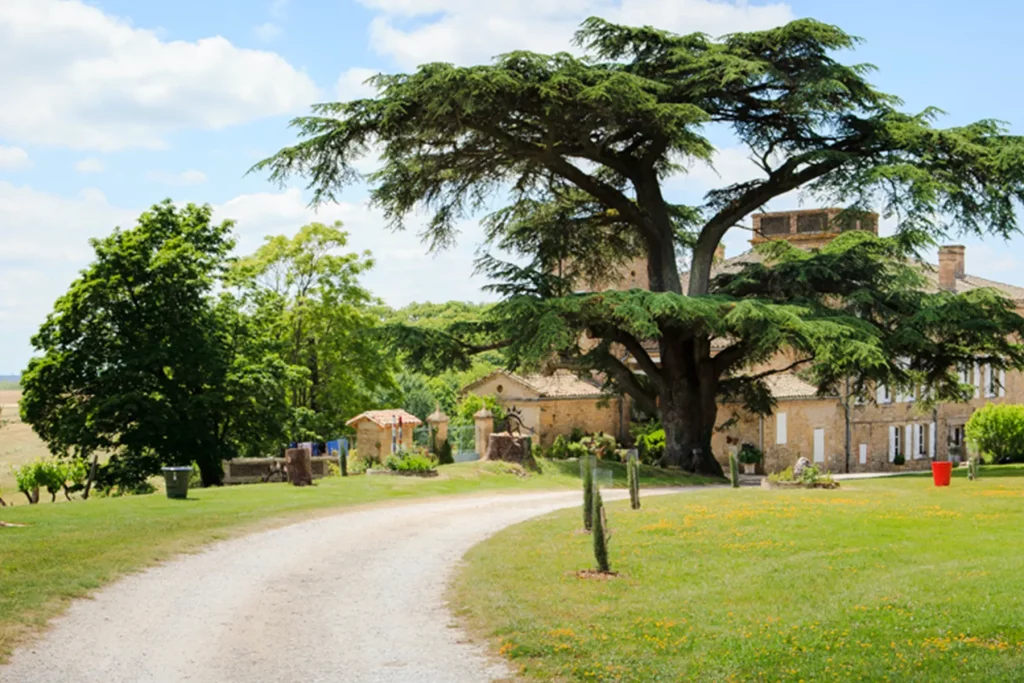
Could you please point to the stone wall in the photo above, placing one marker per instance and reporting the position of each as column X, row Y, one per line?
column 561, row 416
column 252, row 470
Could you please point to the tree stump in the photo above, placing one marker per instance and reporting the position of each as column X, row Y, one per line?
column 510, row 448
column 299, row 464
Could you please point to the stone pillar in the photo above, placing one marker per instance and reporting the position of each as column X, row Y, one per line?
column 484, row 421
column 951, row 265
column 438, row 423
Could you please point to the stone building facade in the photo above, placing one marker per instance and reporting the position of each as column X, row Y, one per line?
column 805, row 424
column 377, row 429
column 556, row 404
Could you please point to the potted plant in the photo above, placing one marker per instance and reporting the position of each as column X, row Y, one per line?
column 899, row 460
column 749, row 456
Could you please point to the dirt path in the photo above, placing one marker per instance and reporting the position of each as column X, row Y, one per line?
column 353, row 597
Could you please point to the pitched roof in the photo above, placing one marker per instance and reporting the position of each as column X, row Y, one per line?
column 384, row 418
column 787, row 385
column 559, row 384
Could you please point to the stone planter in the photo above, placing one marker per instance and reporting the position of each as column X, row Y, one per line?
column 749, row 468
column 392, row 473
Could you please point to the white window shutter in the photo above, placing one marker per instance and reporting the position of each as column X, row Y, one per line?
column 863, row 454
column 892, row 442
column 977, row 380
column 908, row 445
column 1002, row 382
column 931, row 441
column 819, row 445
column 988, row 381
column 780, row 429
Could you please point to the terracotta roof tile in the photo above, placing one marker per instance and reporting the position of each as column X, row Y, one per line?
column 787, row 385
column 563, row 384
column 384, row 418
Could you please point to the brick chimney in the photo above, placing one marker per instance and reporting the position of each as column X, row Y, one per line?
column 719, row 254
column 951, row 265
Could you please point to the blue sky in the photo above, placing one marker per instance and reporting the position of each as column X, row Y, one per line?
column 111, row 105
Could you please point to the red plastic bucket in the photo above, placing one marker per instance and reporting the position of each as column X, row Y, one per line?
column 941, row 472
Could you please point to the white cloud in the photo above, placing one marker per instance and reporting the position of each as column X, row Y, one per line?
column 469, row 31
column 76, row 77
column 352, row 84
column 267, row 31
column 13, row 158
column 191, row 177
column 90, row 165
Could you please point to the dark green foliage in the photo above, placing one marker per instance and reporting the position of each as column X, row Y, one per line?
column 577, row 434
column 577, row 450
column 633, row 480
column 750, row 454
column 996, row 431
column 560, row 448
column 899, row 459
column 579, row 148
column 411, row 461
column 444, row 453
column 141, row 359
column 324, row 326
column 587, row 475
column 601, row 534
column 650, row 441
column 734, row 471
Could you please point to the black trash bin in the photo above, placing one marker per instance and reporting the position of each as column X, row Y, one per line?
column 177, row 481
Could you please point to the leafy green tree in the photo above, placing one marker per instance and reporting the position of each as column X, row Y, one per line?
column 997, row 431
column 578, row 149
column 141, row 360
column 324, row 322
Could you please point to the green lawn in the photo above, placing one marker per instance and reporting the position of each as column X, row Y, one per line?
column 888, row 579
column 67, row 550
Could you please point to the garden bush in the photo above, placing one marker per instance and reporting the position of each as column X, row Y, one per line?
column 997, row 431
column 650, row 445
column 750, row 454
column 560, row 448
column 576, row 450
column 410, row 461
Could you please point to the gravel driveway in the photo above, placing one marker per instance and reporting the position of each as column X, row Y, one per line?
column 356, row 596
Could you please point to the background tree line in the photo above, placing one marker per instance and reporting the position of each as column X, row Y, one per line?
column 169, row 350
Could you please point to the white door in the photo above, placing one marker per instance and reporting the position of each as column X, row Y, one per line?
column 819, row 445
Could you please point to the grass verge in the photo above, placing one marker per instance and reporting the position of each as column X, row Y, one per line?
column 65, row 551
column 887, row 579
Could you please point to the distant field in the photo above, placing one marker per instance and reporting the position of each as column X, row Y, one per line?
column 18, row 444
